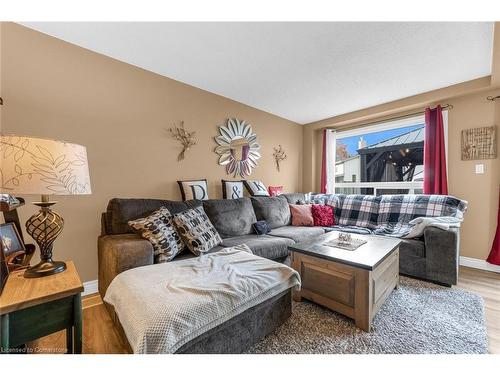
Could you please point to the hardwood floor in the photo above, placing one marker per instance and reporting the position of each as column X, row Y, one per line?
column 487, row 285
column 100, row 335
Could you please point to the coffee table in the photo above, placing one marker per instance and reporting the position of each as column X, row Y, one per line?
column 354, row 283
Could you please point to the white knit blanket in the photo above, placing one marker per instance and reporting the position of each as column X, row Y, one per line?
column 420, row 223
column 163, row 306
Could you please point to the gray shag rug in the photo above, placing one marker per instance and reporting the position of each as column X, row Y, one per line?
column 417, row 318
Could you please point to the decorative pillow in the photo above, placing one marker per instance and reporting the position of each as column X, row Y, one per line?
column 301, row 215
column 256, row 188
column 193, row 189
column 196, row 230
column 261, row 227
column 232, row 189
column 323, row 215
column 274, row 191
column 158, row 229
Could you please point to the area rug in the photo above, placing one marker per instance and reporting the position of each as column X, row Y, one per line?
column 417, row 318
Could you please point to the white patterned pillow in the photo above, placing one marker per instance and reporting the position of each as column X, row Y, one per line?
column 196, row 230
column 158, row 229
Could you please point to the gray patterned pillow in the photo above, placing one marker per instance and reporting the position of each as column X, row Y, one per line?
column 158, row 229
column 196, row 230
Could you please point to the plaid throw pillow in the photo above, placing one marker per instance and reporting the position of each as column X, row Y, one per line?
column 359, row 211
column 196, row 230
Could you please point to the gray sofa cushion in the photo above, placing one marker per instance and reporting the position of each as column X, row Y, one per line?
column 264, row 246
column 121, row 210
column 274, row 210
column 231, row 217
column 298, row 234
column 415, row 248
column 293, row 198
column 413, row 266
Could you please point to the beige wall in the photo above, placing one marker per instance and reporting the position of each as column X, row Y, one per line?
column 55, row 89
column 120, row 113
column 471, row 109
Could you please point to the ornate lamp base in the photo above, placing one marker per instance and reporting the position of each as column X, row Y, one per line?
column 44, row 227
column 45, row 268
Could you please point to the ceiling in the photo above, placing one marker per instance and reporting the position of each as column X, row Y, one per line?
column 300, row 71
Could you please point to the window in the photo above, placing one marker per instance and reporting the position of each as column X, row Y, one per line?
column 385, row 158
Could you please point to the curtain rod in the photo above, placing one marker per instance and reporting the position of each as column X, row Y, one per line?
column 446, row 106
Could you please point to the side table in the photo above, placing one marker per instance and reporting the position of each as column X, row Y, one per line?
column 33, row 308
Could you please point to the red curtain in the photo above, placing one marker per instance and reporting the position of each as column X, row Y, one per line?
column 434, row 153
column 494, row 257
column 324, row 177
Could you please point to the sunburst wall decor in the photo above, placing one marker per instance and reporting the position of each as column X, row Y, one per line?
column 237, row 147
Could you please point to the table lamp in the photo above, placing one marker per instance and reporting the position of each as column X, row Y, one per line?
column 30, row 165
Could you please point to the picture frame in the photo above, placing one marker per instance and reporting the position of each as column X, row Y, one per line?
column 4, row 271
column 11, row 244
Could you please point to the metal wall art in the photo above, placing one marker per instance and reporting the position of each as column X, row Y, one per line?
column 279, row 155
column 185, row 138
column 479, row 143
column 237, row 147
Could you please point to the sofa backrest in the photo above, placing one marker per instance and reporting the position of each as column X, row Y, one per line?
column 402, row 208
column 294, row 198
column 274, row 210
column 359, row 210
column 372, row 212
column 231, row 217
column 121, row 210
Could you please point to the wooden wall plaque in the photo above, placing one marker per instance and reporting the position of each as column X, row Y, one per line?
column 479, row 143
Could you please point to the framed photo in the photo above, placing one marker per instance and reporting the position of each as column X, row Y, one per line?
column 10, row 240
column 4, row 271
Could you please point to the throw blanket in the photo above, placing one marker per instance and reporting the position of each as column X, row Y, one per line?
column 396, row 212
column 420, row 223
column 391, row 215
column 348, row 229
column 163, row 306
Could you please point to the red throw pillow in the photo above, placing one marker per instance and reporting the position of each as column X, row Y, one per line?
column 274, row 191
column 301, row 215
column 323, row 215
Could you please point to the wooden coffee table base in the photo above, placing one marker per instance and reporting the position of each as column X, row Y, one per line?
column 352, row 291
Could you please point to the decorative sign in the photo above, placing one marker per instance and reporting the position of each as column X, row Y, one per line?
column 479, row 143
column 279, row 155
column 185, row 138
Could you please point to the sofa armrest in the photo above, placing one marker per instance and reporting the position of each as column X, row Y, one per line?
column 118, row 253
column 442, row 254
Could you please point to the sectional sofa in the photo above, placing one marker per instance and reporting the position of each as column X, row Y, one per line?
column 433, row 257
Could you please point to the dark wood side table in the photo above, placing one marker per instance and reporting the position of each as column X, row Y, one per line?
column 33, row 308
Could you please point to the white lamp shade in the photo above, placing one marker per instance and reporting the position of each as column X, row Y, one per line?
column 31, row 165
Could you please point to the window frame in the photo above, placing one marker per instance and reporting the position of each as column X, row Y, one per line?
column 333, row 135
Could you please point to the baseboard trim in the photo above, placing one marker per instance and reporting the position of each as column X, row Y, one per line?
column 480, row 264
column 89, row 287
